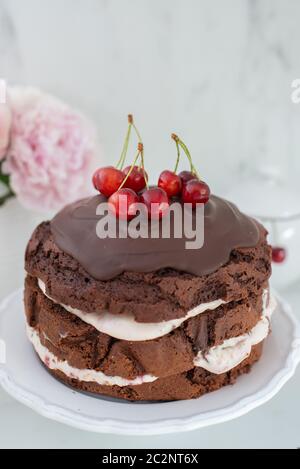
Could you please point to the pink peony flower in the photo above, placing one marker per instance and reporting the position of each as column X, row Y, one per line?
column 5, row 124
column 51, row 151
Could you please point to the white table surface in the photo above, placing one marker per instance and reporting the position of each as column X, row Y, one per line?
column 275, row 424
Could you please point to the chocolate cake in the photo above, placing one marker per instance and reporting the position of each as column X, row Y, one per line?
column 148, row 319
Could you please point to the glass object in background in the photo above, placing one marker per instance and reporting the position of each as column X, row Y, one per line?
column 267, row 186
column 269, row 192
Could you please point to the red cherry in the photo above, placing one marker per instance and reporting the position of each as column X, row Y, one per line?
column 195, row 192
column 186, row 176
column 124, row 202
column 278, row 255
column 170, row 183
column 95, row 179
column 156, row 201
column 136, row 179
column 108, row 180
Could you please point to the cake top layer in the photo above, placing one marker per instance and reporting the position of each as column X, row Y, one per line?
column 225, row 229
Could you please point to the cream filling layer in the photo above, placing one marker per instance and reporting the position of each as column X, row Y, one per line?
column 232, row 352
column 125, row 327
column 91, row 376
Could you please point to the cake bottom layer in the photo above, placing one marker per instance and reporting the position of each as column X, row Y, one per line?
column 189, row 385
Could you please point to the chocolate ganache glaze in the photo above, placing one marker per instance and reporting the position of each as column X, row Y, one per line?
column 225, row 228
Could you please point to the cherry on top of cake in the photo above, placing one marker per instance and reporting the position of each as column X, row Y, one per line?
column 225, row 228
column 131, row 183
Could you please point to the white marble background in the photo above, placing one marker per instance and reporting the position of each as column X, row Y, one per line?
column 217, row 72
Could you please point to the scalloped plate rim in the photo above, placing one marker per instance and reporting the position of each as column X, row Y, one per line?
column 158, row 426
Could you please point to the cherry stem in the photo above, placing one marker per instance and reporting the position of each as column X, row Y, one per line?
column 141, row 149
column 139, row 153
column 178, row 157
column 143, row 166
column 122, row 158
column 137, row 132
column 180, row 143
column 142, row 162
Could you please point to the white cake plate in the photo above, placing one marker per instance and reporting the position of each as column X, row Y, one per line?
column 23, row 377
